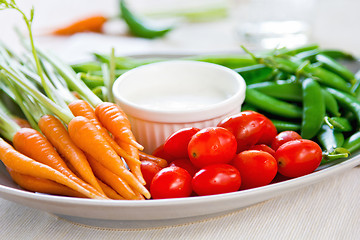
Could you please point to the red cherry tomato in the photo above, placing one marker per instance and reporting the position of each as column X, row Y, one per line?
column 247, row 128
column 186, row 164
column 298, row 157
column 160, row 153
column 148, row 170
column 216, row 179
column 269, row 132
column 257, row 168
column 177, row 144
column 263, row 147
column 284, row 137
column 171, row 182
column 212, row 145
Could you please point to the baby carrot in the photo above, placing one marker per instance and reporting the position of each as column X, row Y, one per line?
column 83, row 108
column 116, row 122
column 27, row 166
column 88, row 138
column 111, row 193
column 135, row 168
column 111, row 179
column 90, row 24
column 42, row 185
column 160, row 161
column 58, row 136
column 33, row 144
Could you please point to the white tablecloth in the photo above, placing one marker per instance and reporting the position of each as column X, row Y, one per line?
column 326, row 210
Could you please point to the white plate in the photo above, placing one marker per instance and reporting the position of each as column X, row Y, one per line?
column 155, row 213
column 151, row 213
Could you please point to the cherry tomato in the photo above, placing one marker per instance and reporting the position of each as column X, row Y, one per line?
column 263, row 147
column 186, row 164
column 216, row 179
column 148, row 170
column 160, row 153
column 257, row 168
column 212, row 145
column 269, row 132
column 298, row 157
column 171, row 182
column 284, row 137
column 177, row 144
column 247, row 128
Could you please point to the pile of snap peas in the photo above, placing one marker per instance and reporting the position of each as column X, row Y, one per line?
column 308, row 89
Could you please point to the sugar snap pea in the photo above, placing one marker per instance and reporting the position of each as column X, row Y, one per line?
column 282, row 125
column 138, row 26
column 336, row 67
column 340, row 124
column 330, row 139
column 281, row 89
column 348, row 101
column 255, row 73
column 331, row 104
column 352, row 143
column 272, row 105
column 313, row 108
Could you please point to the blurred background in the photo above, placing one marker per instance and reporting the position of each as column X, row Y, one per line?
column 224, row 26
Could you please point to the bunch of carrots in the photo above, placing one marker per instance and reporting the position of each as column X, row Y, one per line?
column 69, row 146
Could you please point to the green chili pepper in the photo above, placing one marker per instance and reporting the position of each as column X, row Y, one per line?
column 313, row 108
column 336, row 67
column 348, row 101
column 138, row 26
column 339, row 124
column 255, row 73
column 281, row 89
column 353, row 142
column 272, row 105
column 282, row 125
column 331, row 104
column 329, row 138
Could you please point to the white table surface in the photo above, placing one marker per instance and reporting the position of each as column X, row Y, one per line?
column 326, row 210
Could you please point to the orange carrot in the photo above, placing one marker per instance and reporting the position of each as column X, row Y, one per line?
column 27, row 166
column 58, row 136
column 111, row 193
column 83, row 108
column 116, row 122
column 135, row 168
column 42, row 185
column 23, row 123
column 33, row 144
column 90, row 24
column 88, row 138
column 111, row 179
column 160, row 161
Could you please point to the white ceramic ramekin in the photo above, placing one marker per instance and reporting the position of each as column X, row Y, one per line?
column 161, row 98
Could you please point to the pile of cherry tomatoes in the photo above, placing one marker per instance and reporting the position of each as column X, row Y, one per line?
column 243, row 151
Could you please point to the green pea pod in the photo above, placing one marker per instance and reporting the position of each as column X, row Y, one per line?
column 232, row 61
column 138, row 26
column 348, row 101
column 282, row 125
column 86, row 67
column 337, row 54
column 336, row 67
column 307, row 55
column 339, row 124
column 92, row 81
column 255, row 73
column 352, row 143
column 272, row 105
column 313, row 108
column 328, row 78
column 330, row 139
column 295, row 51
column 331, row 104
column 281, row 89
